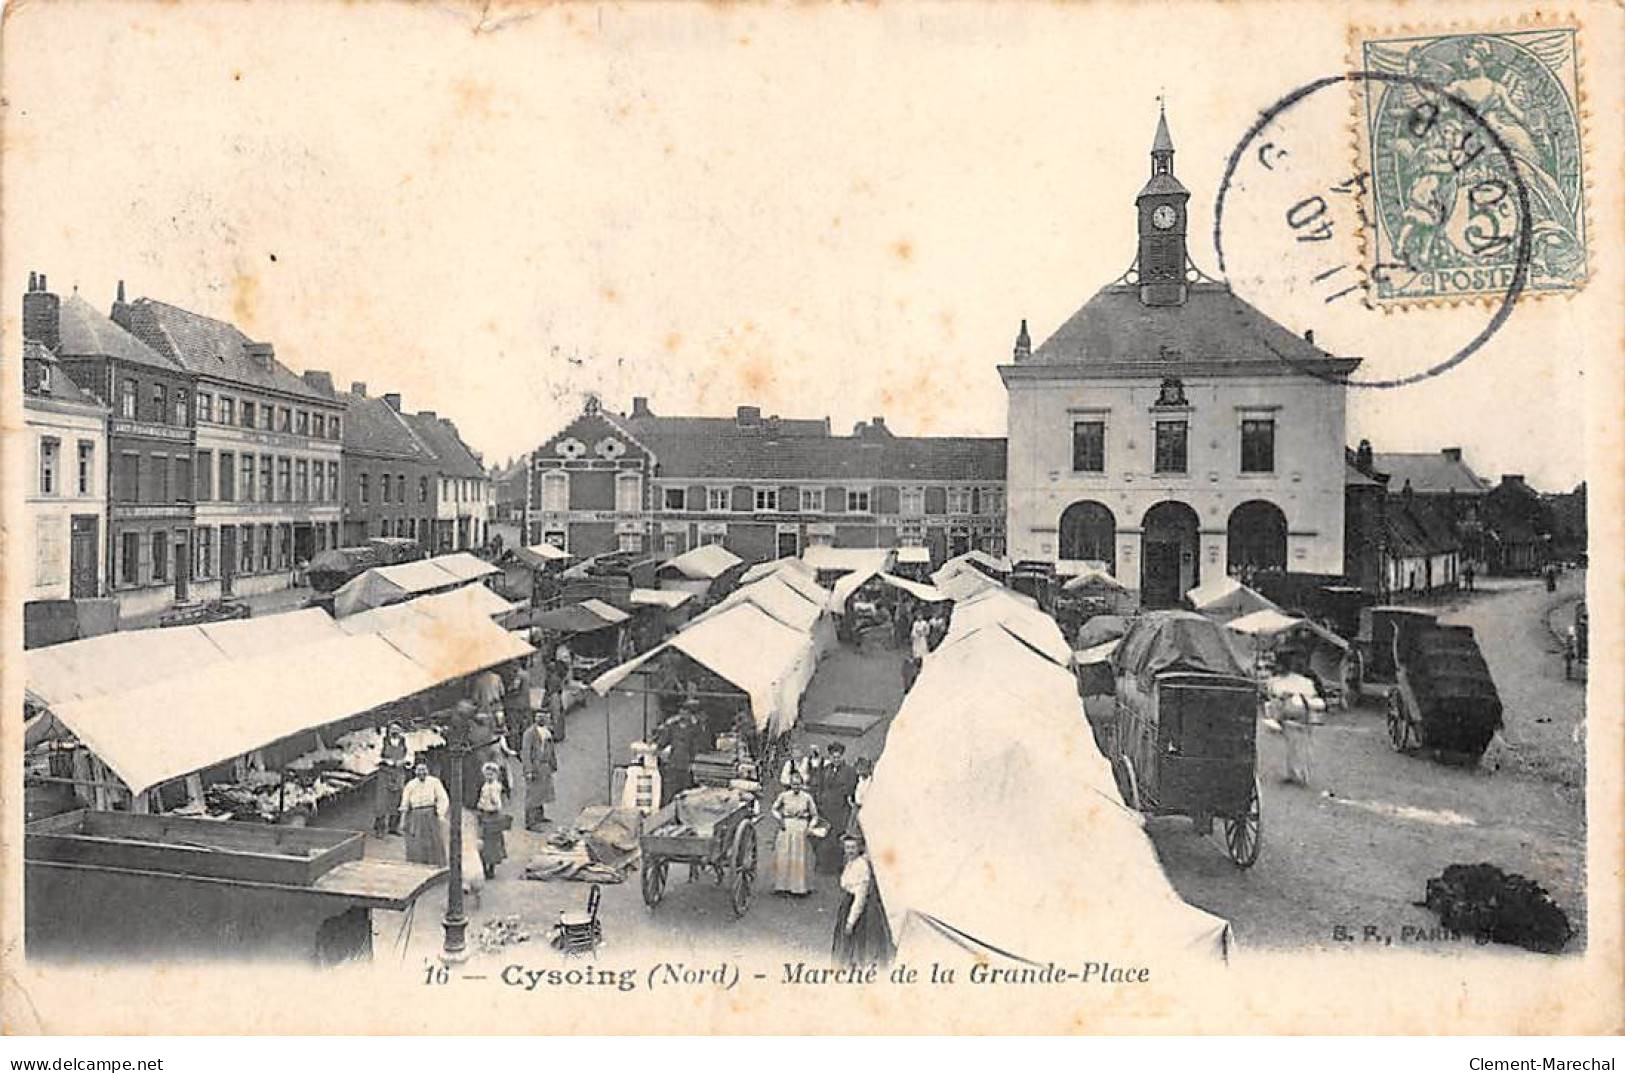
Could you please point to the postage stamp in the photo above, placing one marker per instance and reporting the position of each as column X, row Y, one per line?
column 1474, row 145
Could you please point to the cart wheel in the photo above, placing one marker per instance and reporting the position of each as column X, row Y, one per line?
column 654, row 882
column 1243, row 835
column 744, row 872
column 1399, row 727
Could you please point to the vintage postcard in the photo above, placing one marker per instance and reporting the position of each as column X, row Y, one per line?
column 900, row 518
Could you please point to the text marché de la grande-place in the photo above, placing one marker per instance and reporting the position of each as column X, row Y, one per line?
column 727, row 976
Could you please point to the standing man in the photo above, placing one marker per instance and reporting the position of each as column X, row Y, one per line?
column 835, row 807
column 676, row 757
column 487, row 692
column 540, row 760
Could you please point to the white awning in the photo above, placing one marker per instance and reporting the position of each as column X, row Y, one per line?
column 666, row 598
column 707, row 562
column 1269, row 623
column 780, row 601
column 1003, row 610
column 463, row 566
column 608, row 612
column 847, row 584
column 773, row 566
column 929, row 593
column 824, row 557
column 915, row 556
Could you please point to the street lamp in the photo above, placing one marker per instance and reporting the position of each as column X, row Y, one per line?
column 455, row 949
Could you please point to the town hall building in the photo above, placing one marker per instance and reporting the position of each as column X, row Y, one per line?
column 1171, row 431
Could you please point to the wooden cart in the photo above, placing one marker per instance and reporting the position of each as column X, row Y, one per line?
column 726, row 847
column 1444, row 698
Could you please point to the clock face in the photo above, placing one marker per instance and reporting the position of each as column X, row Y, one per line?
column 1164, row 216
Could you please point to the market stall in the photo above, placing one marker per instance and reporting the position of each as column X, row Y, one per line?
column 594, row 631
column 912, row 563
column 1225, row 598
column 785, row 603
column 1004, row 610
column 656, row 615
column 1007, row 844
column 828, row 564
column 700, row 571
column 384, row 585
column 531, row 573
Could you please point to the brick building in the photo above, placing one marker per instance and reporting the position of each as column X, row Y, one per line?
column 269, row 444
column 761, row 486
column 393, row 487
column 65, row 495
column 461, row 487
column 150, row 442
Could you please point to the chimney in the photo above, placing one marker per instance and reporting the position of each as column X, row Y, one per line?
column 261, row 354
column 1309, row 336
column 1024, row 343
column 1407, row 491
column 640, row 406
column 393, row 400
column 1362, row 457
column 748, row 415
column 320, row 380
column 358, row 388
column 1452, row 453
column 42, row 314
column 428, row 415
column 878, row 423
column 1511, row 478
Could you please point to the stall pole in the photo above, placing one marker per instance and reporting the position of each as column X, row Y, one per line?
column 609, row 754
column 454, row 950
column 645, row 716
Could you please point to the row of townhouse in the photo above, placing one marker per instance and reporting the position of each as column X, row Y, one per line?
column 762, row 486
column 176, row 459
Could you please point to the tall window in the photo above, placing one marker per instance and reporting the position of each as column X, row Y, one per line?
column 302, row 423
column 129, row 566
column 301, row 485
column 913, row 501
column 1258, row 445
column 959, row 500
column 228, row 414
column 423, row 489
column 248, row 414
column 160, row 479
column 718, row 499
column 383, row 487
column 1171, row 446
column 129, row 477
column 87, row 467
column 284, row 419
column 318, row 427
column 1089, row 446
column 333, row 428
column 993, row 501
column 160, row 556
column 228, row 477
column 333, row 484
column 767, row 499
column 555, row 491
column 365, row 485
column 628, row 492
column 812, row 500
column 180, row 407
column 857, row 500
column 319, row 471
column 247, row 490
column 204, row 552
column 126, row 400
column 266, row 495
column 205, row 407
column 265, row 547
column 265, row 417
column 156, row 413
column 245, row 549
column 182, row 484
column 49, row 460
column 284, row 480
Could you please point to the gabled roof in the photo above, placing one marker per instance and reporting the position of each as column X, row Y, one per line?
column 1212, row 326
column 1414, row 528
column 58, row 387
column 447, row 446
column 208, row 347
column 86, row 333
column 373, row 427
column 1429, row 473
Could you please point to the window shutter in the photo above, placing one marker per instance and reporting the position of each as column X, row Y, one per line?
column 887, row 499
column 936, row 499
column 790, row 499
column 744, row 497
column 696, row 497
column 834, row 500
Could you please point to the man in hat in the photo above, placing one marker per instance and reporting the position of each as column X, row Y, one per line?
column 835, row 807
column 540, row 760
column 394, row 758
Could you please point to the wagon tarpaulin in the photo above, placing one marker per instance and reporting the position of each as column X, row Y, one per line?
column 1178, row 640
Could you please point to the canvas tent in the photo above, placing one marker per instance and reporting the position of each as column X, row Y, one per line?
column 913, row 556
column 783, row 603
column 1225, row 598
column 541, row 556
column 1004, row 610
column 768, row 661
column 919, row 590
column 384, row 585
column 962, row 582
column 1271, row 624
column 1177, row 640
column 1009, row 845
column 706, row 562
column 824, row 559
column 847, row 585
column 773, row 566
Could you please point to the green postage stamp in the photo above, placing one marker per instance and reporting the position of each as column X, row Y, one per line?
column 1473, row 144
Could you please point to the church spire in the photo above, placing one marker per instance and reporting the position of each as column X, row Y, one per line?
column 1161, row 204
column 1024, row 343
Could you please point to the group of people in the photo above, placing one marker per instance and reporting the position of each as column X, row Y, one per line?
column 507, row 717
column 925, row 633
column 816, row 808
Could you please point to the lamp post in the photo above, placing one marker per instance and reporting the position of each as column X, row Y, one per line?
column 455, row 948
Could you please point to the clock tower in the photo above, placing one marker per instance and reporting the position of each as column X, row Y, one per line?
column 1162, row 217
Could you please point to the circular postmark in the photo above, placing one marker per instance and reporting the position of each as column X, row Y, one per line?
column 1301, row 231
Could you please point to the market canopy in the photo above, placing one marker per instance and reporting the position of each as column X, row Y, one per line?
column 1094, row 580
column 585, row 617
column 707, row 562
column 1225, row 598
column 981, row 560
column 766, row 660
column 920, row 591
column 996, row 832
column 463, row 566
column 541, row 556
column 773, row 566
column 1267, row 624
column 847, row 585
column 670, row 599
column 962, row 582
column 824, row 557
column 1000, row 609
column 913, row 556
column 780, row 601
column 382, row 585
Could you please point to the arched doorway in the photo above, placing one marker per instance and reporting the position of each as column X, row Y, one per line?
column 1089, row 531
column 1170, row 559
column 1256, row 538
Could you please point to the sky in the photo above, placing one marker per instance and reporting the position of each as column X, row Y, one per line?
column 815, row 210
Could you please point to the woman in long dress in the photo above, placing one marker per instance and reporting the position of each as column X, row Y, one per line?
column 862, row 936
column 540, row 760
column 424, row 808
column 393, row 758
column 493, row 821
column 796, row 813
